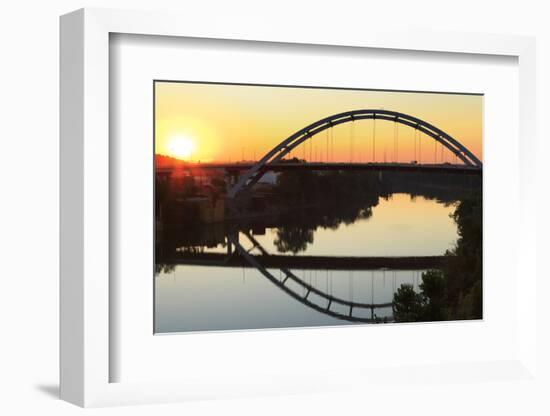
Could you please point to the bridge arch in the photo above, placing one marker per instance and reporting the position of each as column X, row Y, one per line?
column 331, row 300
column 287, row 145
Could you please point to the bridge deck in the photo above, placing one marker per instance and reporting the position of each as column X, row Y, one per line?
column 342, row 166
column 310, row 262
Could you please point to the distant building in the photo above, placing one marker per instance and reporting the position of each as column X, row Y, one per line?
column 269, row 178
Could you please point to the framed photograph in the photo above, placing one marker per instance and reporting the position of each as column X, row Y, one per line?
column 277, row 213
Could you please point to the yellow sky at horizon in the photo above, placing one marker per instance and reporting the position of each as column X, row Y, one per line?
column 230, row 122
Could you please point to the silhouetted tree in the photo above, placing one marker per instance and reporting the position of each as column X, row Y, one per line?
column 408, row 306
column 433, row 291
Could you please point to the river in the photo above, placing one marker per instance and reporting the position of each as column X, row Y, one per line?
column 192, row 297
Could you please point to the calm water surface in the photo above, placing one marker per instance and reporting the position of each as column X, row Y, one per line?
column 206, row 298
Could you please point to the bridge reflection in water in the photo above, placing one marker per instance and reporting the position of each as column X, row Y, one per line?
column 302, row 289
column 235, row 279
column 341, row 293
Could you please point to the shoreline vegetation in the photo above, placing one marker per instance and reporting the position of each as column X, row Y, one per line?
column 455, row 291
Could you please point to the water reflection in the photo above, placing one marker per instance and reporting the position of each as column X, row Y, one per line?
column 199, row 285
column 375, row 250
column 198, row 298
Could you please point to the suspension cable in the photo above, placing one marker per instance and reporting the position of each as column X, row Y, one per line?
column 396, row 142
column 351, row 140
column 419, row 148
column 332, row 143
column 393, row 151
column 374, row 138
column 415, row 134
column 327, row 144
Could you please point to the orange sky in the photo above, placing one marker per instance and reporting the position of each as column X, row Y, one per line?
column 217, row 122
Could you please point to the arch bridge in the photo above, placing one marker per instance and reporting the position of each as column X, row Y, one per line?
column 275, row 155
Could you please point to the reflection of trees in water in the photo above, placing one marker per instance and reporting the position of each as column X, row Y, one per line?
column 320, row 200
column 293, row 239
column 302, row 202
column 329, row 199
column 164, row 268
column 299, row 229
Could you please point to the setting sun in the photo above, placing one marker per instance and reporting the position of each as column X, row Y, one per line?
column 181, row 147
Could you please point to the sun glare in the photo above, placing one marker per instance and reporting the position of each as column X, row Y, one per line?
column 181, row 147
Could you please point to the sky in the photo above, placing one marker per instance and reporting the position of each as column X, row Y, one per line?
column 228, row 123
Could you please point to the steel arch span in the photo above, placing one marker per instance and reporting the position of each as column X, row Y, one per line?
column 286, row 146
column 330, row 300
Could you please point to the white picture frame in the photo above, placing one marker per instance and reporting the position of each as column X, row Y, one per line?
column 85, row 164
